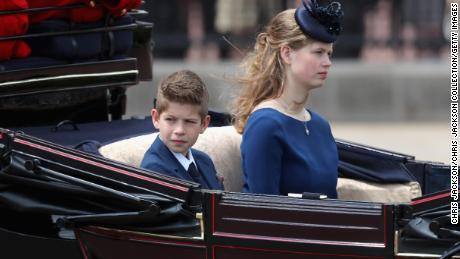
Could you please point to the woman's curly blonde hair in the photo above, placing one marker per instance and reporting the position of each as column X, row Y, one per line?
column 263, row 68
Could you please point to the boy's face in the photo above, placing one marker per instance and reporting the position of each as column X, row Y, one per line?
column 180, row 125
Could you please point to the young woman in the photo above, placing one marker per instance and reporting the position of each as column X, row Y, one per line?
column 287, row 148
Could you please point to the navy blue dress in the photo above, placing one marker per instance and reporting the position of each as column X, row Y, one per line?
column 279, row 157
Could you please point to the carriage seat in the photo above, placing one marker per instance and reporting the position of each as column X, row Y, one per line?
column 222, row 144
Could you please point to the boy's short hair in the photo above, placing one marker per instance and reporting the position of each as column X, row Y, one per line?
column 184, row 87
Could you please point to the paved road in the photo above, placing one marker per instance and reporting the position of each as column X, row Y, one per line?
column 424, row 140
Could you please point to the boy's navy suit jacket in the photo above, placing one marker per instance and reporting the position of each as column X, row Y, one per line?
column 159, row 158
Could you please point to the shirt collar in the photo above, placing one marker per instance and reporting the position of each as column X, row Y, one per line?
column 183, row 160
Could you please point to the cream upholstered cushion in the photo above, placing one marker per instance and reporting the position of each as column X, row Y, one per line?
column 128, row 151
column 222, row 144
column 350, row 189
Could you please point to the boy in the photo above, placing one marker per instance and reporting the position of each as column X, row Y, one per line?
column 181, row 115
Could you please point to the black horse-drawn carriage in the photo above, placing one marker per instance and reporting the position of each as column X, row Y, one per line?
column 61, row 202
column 58, row 202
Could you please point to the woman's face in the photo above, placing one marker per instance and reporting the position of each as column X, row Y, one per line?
column 310, row 64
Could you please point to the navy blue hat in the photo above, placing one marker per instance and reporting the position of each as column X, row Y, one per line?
column 320, row 22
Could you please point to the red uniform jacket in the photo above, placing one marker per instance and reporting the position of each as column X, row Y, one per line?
column 13, row 25
column 17, row 24
column 94, row 10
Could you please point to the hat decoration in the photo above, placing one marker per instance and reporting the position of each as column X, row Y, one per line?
column 320, row 22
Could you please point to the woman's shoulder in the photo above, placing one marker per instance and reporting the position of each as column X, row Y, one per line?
column 318, row 119
column 268, row 114
column 317, row 116
column 267, row 108
column 264, row 121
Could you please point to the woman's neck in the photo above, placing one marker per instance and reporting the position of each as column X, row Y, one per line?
column 291, row 102
column 293, row 99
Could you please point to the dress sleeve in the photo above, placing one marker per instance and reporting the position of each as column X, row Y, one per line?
column 261, row 151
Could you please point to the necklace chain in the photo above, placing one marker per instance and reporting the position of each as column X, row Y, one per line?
column 306, row 115
column 306, row 127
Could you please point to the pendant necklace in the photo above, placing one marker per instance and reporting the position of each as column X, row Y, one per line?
column 306, row 114
column 306, row 127
column 305, row 123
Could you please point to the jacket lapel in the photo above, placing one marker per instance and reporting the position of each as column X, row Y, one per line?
column 206, row 171
column 170, row 161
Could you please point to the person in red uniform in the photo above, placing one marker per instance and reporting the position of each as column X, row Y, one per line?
column 13, row 25
column 91, row 13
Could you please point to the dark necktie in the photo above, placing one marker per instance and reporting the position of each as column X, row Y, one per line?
column 196, row 176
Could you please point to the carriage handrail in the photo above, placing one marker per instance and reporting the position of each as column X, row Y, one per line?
column 43, row 9
column 72, row 32
column 62, row 7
